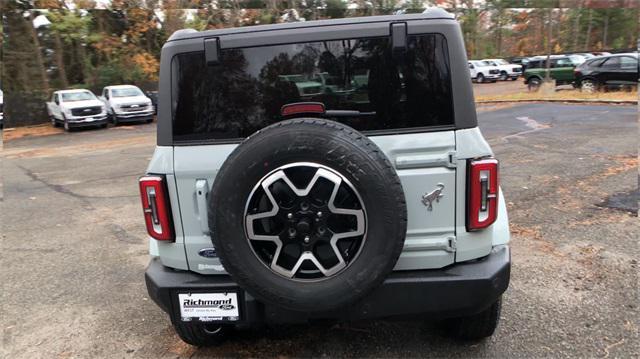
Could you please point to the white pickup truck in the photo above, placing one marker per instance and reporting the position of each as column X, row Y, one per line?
column 127, row 103
column 482, row 71
column 76, row 108
column 508, row 71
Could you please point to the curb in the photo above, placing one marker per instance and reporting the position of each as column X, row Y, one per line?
column 615, row 102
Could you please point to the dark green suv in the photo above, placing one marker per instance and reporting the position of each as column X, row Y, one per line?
column 561, row 70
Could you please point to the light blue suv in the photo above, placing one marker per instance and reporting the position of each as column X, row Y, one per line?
column 377, row 199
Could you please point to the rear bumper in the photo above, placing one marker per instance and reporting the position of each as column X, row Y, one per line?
column 457, row 290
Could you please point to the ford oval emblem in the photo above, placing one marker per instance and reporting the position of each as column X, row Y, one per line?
column 207, row 253
column 226, row 306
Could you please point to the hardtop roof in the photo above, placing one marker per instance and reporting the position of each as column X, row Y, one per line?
column 429, row 14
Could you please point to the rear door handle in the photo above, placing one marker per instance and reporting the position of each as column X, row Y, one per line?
column 202, row 193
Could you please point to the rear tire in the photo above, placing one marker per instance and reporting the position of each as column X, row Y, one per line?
column 480, row 78
column 477, row 326
column 200, row 334
column 588, row 86
column 534, row 84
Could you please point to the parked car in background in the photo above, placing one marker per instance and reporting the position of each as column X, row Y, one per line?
column 127, row 103
column 153, row 96
column 306, row 87
column 483, row 71
column 561, row 70
column 518, row 60
column 578, row 59
column 607, row 72
column 586, row 55
column 1, row 109
column 507, row 71
column 76, row 108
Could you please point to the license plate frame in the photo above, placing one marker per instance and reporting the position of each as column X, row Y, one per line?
column 210, row 306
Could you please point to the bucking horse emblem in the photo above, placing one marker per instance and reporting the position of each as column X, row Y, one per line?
column 435, row 195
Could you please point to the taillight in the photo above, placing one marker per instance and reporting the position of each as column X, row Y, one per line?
column 156, row 207
column 482, row 195
column 302, row 108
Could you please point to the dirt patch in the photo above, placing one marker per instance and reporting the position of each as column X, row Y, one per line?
column 568, row 95
column 537, row 239
column 9, row 134
column 624, row 163
column 493, row 107
column 77, row 149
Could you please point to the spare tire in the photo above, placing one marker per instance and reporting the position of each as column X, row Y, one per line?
column 308, row 215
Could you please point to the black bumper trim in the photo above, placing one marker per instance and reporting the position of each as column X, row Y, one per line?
column 87, row 124
column 457, row 290
column 134, row 118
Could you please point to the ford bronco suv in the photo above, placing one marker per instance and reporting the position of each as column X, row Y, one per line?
column 375, row 198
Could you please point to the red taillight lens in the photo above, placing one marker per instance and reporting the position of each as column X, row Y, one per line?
column 482, row 196
column 301, row 108
column 156, row 207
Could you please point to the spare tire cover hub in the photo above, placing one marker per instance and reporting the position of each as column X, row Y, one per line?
column 304, row 223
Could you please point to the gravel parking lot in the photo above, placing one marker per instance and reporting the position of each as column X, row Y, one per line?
column 73, row 284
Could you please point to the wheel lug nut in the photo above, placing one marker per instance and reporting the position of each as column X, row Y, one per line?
column 304, row 206
column 319, row 214
column 321, row 230
column 306, row 239
column 292, row 232
column 289, row 215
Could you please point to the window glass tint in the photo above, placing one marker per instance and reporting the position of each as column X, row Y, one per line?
column 77, row 96
column 596, row 62
column 126, row 92
column 612, row 63
column 564, row 62
column 628, row 63
column 535, row 64
column 358, row 80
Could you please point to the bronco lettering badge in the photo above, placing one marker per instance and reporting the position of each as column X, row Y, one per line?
column 435, row 195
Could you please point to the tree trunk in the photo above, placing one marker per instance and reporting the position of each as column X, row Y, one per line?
column 38, row 53
column 605, row 31
column 588, row 39
column 62, row 72
column 576, row 27
column 550, row 33
column 499, row 33
column 82, row 60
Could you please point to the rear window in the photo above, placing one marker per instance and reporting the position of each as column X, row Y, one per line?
column 358, row 80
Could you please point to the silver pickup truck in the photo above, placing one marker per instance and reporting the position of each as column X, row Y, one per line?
column 76, row 108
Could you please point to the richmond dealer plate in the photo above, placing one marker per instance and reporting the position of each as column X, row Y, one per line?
column 209, row 307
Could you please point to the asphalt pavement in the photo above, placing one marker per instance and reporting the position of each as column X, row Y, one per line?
column 74, row 249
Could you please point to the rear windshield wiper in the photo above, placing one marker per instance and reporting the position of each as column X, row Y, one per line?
column 347, row 113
